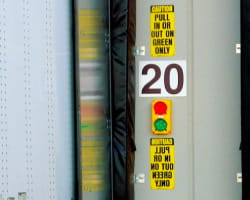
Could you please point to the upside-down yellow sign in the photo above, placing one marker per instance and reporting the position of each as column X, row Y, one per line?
column 162, row 30
column 162, row 163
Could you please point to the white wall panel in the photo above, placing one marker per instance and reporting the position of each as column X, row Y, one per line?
column 36, row 135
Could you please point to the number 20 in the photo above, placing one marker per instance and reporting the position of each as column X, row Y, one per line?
column 147, row 89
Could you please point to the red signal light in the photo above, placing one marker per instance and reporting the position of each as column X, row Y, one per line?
column 160, row 108
column 161, row 116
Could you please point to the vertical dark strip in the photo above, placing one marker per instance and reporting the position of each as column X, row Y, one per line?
column 110, row 96
column 119, row 57
column 76, row 101
column 122, row 19
column 131, row 98
column 245, row 95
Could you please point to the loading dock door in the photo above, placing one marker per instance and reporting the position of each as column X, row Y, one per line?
column 94, row 137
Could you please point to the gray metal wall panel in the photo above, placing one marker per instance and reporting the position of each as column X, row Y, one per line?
column 182, row 107
column 206, row 123
column 217, row 99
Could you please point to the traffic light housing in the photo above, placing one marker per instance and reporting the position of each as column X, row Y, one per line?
column 161, row 117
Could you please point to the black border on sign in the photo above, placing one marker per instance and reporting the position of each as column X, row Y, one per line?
column 161, row 5
column 161, row 144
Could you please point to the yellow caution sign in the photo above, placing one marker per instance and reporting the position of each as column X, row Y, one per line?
column 162, row 30
column 162, row 164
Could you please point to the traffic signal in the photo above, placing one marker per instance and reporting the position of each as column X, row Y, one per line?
column 161, row 117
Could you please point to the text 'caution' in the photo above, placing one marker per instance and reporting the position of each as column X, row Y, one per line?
column 162, row 163
column 162, row 30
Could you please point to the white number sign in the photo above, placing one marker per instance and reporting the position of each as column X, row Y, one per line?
column 162, row 78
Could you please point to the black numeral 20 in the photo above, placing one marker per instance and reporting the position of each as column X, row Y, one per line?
column 147, row 89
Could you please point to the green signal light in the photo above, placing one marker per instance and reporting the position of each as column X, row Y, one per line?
column 160, row 125
column 84, row 126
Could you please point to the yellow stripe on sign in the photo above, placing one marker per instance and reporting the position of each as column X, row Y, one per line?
column 90, row 41
column 89, row 12
column 88, row 35
column 90, row 143
column 90, row 53
column 90, row 21
column 86, row 187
